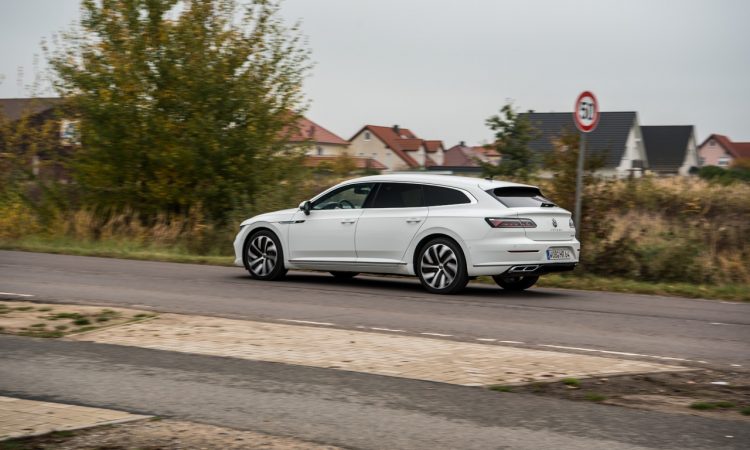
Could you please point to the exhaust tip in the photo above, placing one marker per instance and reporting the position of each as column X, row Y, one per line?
column 523, row 269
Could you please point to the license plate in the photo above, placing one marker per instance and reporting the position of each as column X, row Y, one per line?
column 559, row 254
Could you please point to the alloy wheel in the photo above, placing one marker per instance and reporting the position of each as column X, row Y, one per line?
column 439, row 266
column 262, row 255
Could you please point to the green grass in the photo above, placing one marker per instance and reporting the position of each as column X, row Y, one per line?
column 499, row 388
column 575, row 382
column 121, row 248
column 130, row 249
column 745, row 411
column 736, row 292
column 706, row 406
column 594, row 397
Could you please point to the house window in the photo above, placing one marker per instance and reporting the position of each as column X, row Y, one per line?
column 367, row 135
column 723, row 161
column 701, row 161
column 711, row 143
column 319, row 149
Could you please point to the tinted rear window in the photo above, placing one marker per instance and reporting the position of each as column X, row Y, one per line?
column 519, row 197
column 440, row 196
column 398, row 195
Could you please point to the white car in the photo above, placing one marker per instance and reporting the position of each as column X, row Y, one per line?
column 443, row 229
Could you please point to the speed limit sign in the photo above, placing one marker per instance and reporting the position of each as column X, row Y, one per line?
column 586, row 112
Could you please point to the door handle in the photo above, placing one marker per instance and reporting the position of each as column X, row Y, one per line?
column 413, row 220
column 349, row 221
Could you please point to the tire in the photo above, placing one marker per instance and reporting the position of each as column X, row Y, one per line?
column 515, row 283
column 264, row 257
column 344, row 275
column 441, row 267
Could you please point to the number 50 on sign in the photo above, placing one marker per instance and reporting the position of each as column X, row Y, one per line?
column 586, row 113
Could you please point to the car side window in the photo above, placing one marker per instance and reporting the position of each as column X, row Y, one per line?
column 399, row 195
column 440, row 196
column 345, row 197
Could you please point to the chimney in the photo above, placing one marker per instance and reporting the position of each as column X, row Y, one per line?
column 462, row 143
column 396, row 129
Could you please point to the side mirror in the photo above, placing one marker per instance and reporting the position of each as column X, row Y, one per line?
column 305, row 207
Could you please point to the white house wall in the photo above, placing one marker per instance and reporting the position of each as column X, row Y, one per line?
column 376, row 149
column 691, row 157
column 634, row 150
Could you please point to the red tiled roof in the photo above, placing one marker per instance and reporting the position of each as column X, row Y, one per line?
column 432, row 146
column 742, row 149
column 460, row 156
column 307, row 130
column 487, row 151
column 409, row 145
column 736, row 149
column 391, row 139
column 359, row 162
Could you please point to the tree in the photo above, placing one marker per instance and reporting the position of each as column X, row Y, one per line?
column 562, row 163
column 182, row 104
column 512, row 136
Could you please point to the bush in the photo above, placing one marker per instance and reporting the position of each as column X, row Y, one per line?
column 16, row 217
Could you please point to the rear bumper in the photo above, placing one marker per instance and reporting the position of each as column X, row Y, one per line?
column 539, row 269
column 499, row 256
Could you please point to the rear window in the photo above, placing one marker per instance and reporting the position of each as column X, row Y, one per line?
column 398, row 195
column 441, row 196
column 519, row 197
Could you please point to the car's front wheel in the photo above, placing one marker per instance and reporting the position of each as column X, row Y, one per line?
column 441, row 267
column 264, row 258
column 515, row 283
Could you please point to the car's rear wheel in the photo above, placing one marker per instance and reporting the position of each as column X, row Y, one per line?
column 344, row 275
column 515, row 283
column 264, row 257
column 441, row 267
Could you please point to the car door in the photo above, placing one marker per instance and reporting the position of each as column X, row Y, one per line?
column 327, row 233
column 390, row 222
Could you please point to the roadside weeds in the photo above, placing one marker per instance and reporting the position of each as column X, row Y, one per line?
column 58, row 320
column 690, row 392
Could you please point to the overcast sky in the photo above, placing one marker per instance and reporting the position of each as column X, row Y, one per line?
column 442, row 67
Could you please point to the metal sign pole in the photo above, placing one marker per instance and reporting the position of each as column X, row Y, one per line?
column 579, row 184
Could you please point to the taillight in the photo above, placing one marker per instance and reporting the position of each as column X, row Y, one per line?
column 510, row 223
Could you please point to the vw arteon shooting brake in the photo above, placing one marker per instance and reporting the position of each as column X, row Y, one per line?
column 443, row 229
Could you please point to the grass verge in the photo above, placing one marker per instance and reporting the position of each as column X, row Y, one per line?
column 736, row 292
column 112, row 249
column 139, row 251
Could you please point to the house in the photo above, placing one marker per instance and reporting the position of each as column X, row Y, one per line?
column 719, row 150
column 671, row 150
column 617, row 139
column 39, row 112
column 321, row 141
column 465, row 159
column 395, row 147
column 323, row 147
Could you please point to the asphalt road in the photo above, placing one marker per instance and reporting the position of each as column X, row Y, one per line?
column 703, row 332
column 348, row 409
